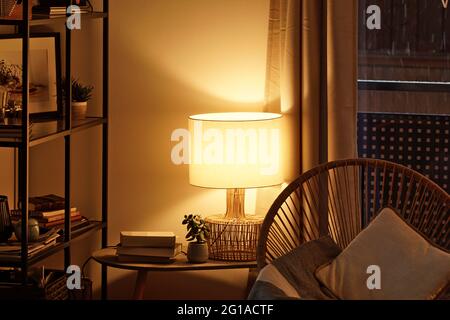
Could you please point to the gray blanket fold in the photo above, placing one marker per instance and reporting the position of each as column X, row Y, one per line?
column 297, row 268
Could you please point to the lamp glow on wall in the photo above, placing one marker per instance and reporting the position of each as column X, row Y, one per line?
column 235, row 151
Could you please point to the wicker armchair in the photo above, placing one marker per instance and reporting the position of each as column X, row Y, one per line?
column 342, row 197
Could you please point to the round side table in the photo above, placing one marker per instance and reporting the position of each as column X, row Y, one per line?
column 108, row 257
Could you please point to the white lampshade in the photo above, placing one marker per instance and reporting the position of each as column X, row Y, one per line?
column 235, row 150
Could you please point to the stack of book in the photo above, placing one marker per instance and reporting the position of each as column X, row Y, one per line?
column 57, row 7
column 56, row 11
column 148, row 247
column 49, row 212
column 48, row 202
column 11, row 251
column 48, row 219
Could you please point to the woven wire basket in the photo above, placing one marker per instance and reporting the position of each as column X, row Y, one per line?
column 56, row 289
column 233, row 240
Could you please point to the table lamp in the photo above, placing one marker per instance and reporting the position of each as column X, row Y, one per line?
column 235, row 151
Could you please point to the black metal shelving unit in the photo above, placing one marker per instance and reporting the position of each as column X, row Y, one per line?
column 62, row 127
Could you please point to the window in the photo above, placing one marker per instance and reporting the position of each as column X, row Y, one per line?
column 404, row 84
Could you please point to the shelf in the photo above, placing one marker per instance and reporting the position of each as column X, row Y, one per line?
column 78, row 235
column 52, row 126
column 39, row 20
column 48, row 130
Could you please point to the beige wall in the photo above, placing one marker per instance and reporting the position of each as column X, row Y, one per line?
column 169, row 59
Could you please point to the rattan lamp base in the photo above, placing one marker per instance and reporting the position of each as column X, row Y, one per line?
column 234, row 239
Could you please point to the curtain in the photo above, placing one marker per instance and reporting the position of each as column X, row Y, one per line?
column 312, row 78
column 305, row 73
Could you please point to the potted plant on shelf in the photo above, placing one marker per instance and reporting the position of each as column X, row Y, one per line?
column 81, row 94
column 198, row 233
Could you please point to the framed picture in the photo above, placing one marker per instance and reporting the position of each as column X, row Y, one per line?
column 45, row 71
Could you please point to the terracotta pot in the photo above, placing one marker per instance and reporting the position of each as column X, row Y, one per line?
column 197, row 252
column 79, row 110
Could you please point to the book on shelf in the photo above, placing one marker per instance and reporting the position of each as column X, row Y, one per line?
column 11, row 251
column 78, row 226
column 150, row 252
column 47, row 222
column 147, row 239
column 50, row 236
column 17, row 214
column 61, row 3
column 73, row 215
column 136, row 259
column 56, row 10
column 46, row 203
column 47, row 225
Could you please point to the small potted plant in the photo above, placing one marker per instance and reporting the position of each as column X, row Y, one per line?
column 81, row 94
column 198, row 233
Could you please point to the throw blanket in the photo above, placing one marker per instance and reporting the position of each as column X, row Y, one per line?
column 292, row 276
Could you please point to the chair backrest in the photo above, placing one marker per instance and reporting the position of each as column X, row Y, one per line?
column 341, row 198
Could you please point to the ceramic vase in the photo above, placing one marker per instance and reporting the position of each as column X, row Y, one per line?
column 197, row 252
column 33, row 230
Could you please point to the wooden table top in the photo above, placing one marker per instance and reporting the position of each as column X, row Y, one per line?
column 107, row 257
